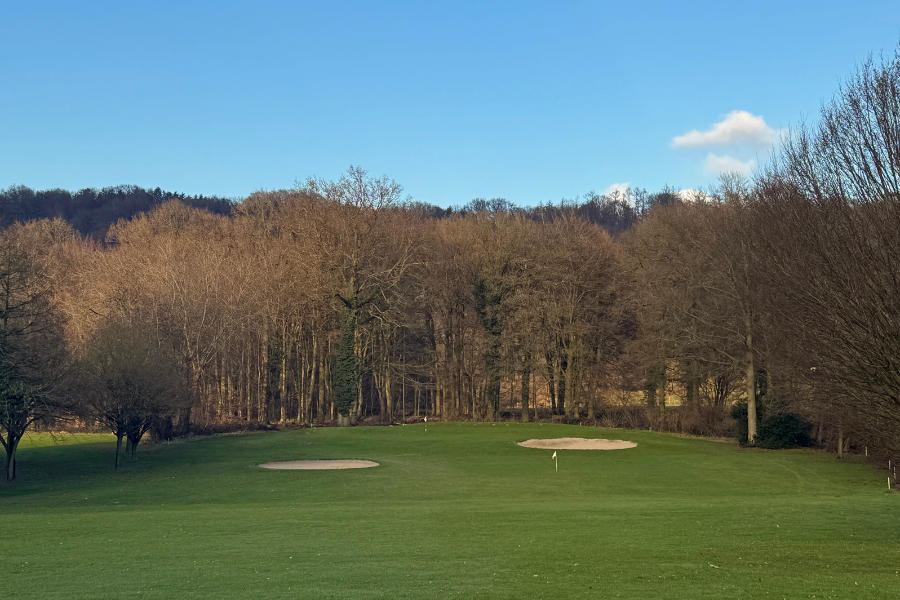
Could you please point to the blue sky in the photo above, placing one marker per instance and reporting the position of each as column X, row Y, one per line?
column 532, row 102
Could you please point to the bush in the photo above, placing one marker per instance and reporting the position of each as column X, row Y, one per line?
column 617, row 415
column 780, row 430
column 784, row 431
column 711, row 421
column 739, row 414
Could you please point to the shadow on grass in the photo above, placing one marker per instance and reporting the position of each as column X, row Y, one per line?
column 62, row 460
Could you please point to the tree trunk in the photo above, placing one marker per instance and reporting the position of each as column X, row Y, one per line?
column 650, row 392
column 561, row 391
column 321, row 376
column 551, row 385
column 840, row 440
column 346, row 369
column 461, row 406
column 10, row 465
column 492, row 390
column 220, row 388
column 300, row 384
column 11, row 448
column 312, row 382
column 378, row 386
column 247, row 391
column 750, row 385
column 262, row 373
column 356, row 411
column 750, row 377
column 185, row 425
column 388, row 399
column 571, row 398
column 118, row 449
column 285, row 354
column 692, row 384
column 663, row 392
column 526, row 391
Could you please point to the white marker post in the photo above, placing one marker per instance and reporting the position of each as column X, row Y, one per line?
column 555, row 461
column 426, row 423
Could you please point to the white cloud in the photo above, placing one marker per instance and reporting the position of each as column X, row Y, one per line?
column 715, row 164
column 738, row 127
column 692, row 195
column 622, row 189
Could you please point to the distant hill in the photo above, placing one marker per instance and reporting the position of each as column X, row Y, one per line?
column 92, row 211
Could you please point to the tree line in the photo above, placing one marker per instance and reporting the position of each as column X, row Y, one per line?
column 772, row 301
column 91, row 211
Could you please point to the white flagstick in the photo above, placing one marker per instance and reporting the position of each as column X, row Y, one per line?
column 555, row 461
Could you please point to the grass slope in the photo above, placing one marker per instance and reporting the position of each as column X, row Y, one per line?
column 457, row 512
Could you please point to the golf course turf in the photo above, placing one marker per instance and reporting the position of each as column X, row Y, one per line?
column 459, row 511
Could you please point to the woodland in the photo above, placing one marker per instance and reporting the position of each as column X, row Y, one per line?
column 767, row 306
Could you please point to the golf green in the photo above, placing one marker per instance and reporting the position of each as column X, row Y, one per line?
column 459, row 511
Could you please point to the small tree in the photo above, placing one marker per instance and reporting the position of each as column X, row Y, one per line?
column 129, row 379
column 20, row 405
column 32, row 353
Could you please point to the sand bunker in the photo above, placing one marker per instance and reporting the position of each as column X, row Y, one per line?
column 577, row 444
column 319, row 465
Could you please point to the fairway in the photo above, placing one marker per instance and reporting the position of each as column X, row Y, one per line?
column 459, row 511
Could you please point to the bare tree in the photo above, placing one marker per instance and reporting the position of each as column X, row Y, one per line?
column 832, row 206
column 697, row 265
column 128, row 380
column 367, row 259
column 32, row 354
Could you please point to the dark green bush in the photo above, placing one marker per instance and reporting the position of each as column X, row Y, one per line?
column 739, row 414
column 783, row 431
column 780, row 430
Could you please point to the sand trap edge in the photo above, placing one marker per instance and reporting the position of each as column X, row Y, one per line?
column 577, row 444
column 319, row 465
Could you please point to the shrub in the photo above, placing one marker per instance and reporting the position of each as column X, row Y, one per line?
column 704, row 420
column 783, row 431
column 780, row 430
column 739, row 414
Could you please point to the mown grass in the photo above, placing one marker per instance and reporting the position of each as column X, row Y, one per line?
column 457, row 512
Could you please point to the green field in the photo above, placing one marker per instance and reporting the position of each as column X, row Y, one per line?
column 457, row 512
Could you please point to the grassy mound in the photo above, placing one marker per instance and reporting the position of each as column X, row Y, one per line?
column 459, row 511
